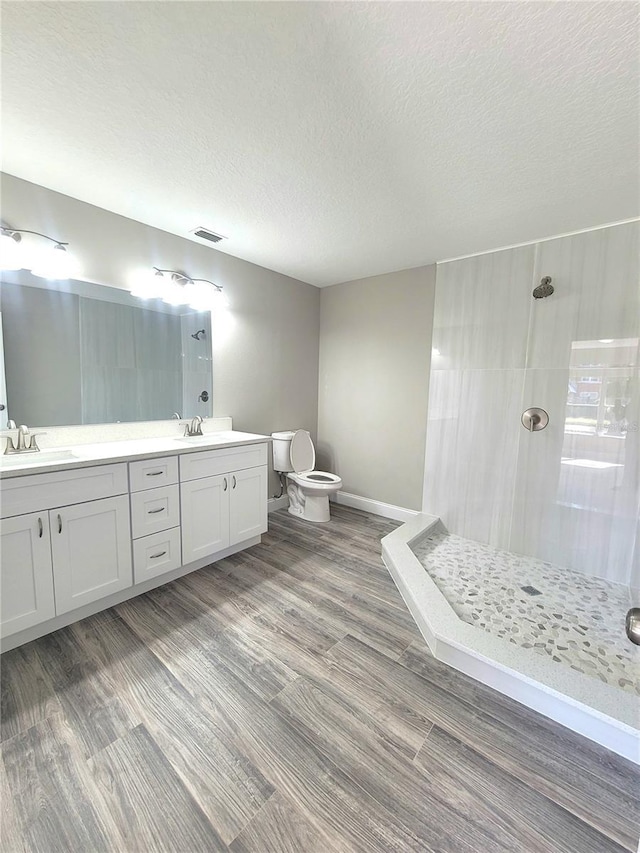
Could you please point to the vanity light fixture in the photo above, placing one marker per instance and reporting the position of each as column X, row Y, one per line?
column 177, row 288
column 52, row 262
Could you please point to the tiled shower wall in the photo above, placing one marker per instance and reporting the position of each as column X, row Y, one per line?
column 131, row 363
column 569, row 494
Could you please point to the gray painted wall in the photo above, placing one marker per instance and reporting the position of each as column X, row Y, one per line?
column 375, row 354
column 265, row 347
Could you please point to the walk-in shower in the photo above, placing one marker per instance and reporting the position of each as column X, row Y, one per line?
column 526, row 560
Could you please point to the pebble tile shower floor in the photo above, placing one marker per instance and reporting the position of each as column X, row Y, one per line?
column 573, row 619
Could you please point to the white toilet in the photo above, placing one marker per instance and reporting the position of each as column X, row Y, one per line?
column 308, row 490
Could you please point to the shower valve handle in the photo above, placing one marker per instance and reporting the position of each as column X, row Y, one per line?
column 534, row 419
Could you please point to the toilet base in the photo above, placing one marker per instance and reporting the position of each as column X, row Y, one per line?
column 307, row 506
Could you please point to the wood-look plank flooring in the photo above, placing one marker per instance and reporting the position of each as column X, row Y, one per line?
column 282, row 701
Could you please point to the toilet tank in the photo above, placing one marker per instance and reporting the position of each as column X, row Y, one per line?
column 281, row 448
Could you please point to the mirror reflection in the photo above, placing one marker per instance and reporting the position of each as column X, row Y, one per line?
column 80, row 353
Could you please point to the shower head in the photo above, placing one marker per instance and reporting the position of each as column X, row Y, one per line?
column 198, row 333
column 545, row 288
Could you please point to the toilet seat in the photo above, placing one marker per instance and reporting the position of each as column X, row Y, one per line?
column 317, row 478
column 318, row 483
column 302, row 453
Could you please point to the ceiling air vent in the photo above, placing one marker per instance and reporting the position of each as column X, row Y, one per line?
column 206, row 234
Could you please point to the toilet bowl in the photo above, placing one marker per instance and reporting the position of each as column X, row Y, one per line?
column 308, row 490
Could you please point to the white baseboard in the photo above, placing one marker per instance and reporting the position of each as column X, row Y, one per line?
column 278, row 503
column 398, row 513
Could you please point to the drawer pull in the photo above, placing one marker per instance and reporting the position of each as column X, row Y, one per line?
column 234, row 481
column 154, row 473
column 154, row 511
column 225, row 485
column 40, row 528
column 59, row 523
column 155, row 556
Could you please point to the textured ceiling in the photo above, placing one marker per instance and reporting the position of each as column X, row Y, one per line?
column 331, row 141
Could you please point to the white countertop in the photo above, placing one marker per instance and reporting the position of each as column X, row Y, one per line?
column 84, row 455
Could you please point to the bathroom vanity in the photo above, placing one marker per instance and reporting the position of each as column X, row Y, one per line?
column 87, row 527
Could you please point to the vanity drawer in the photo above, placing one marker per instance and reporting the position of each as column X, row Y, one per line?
column 36, row 492
column 151, row 473
column 154, row 510
column 156, row 554
column 209, row 463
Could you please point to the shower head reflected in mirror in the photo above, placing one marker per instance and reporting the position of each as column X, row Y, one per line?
column 545, row 288
column 198, row 334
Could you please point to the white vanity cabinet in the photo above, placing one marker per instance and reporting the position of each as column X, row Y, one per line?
column 224, row 509
column 82, row 539
column 58, row 555
column 27, row 574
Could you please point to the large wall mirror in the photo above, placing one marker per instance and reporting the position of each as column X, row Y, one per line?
column 73, row 352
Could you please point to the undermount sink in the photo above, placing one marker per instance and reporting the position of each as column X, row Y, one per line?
column 38, row 458
column 212, row 438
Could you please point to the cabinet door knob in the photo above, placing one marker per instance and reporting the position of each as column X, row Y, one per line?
column 234, row 481
column 59, row 523
column 154, row 511
column 155, row 556
column 225, row 485
column 40, row 528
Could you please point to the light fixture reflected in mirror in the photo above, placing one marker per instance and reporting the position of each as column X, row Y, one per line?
column 55, row 263
column 177, row 288
column 147, row 284
column 51, row 262
column 10, row 254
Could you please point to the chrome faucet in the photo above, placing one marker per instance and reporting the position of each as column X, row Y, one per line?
column 194, row 427
column 23, row 435
column 23, row 446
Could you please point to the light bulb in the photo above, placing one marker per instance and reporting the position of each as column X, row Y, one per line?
column 199, row 296
column 147, row 284
column 206, row 297
column 176, row 294
column 11, row 254
column 55, row 263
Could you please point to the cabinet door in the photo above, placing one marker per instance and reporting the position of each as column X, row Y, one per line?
column 26, row 576
column 248, row 510
column 205, row 516
column 91, row 547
